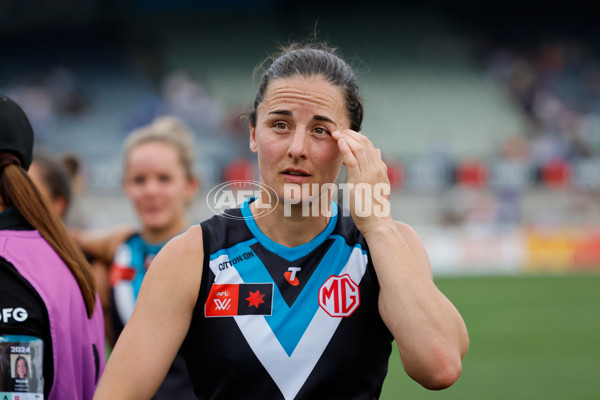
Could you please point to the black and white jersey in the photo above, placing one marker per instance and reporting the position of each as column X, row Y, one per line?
column 274, row 322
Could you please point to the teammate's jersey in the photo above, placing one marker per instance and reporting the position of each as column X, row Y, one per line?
column 132, row 259
column 127, row 272
column 274, row 322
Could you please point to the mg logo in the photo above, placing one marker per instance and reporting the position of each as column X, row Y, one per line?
column 339, row 296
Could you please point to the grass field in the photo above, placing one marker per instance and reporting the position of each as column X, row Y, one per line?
column 532, row 337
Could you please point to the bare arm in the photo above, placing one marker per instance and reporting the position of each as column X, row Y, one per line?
column 159, row 323
column 430, row 333
column 99, row 245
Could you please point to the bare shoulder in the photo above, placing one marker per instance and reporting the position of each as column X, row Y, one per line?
column 188, row 243
column 176, row 271
column 180, row 260
column 414, row 243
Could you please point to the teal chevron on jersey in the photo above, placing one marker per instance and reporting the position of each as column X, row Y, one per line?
column 132, row 259
column 135, row 254
column 290, row 341
column 295, row 352
column 289, row 253
column 303, row 310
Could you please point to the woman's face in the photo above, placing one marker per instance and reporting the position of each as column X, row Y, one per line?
column 157, row 184
column 21, row 368
column 292, row 136
column 36, row 174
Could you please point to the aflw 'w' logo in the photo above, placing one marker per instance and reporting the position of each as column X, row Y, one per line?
column 222, row 304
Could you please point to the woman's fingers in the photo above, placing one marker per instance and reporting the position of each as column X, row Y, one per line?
column 367, row 173
column 364, row 156
column 349, row 159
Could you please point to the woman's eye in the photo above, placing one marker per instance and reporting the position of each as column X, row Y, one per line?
column 164, row 178
column 138, row 180
column 321, row 131
column 280, row 125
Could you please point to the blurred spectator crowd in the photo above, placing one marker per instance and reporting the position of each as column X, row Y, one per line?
column 556, row 84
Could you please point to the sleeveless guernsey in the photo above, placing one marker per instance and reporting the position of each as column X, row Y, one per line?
column 127, row 272
column 274, row 322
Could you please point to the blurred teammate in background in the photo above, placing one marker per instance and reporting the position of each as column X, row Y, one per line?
column 52, row 180
column 76, row 217
column 47, row 291
column 55, row 181
column 288, row 304
column 158, row 179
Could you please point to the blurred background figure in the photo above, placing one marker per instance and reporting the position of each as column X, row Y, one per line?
column 53, row 181
column 60, row 180
column 75, row 218
column 159, row 182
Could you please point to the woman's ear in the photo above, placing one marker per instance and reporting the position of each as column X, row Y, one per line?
column 253, row 145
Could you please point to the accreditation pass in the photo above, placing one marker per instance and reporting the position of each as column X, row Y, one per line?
column 21, row 368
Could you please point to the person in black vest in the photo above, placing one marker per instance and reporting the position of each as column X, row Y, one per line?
column 290, row 295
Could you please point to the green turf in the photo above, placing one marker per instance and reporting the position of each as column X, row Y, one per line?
column 532, row 337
